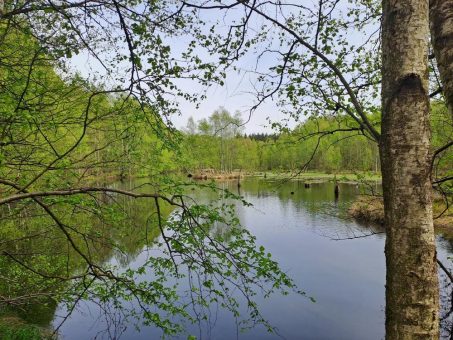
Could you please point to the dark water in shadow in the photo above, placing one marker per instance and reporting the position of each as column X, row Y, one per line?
column 306, row 231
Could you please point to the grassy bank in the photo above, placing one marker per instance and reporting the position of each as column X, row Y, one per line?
column 13, row 328
column 371, row 209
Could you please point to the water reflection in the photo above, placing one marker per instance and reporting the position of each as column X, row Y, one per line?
column 346, row 278
column 307, row 232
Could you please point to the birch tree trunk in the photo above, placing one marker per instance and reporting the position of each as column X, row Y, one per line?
column 441, row 18
column 412, row 290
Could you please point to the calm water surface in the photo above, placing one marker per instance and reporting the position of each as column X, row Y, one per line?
column 308, row 234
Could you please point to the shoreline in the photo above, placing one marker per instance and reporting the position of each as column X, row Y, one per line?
column 311, row 177
column 367, row 208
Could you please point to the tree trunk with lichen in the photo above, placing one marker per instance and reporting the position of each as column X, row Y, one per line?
column 441, row 22
column 412, row 290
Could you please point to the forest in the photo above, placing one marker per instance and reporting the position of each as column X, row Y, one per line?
column 107, row 231
column 295, row 150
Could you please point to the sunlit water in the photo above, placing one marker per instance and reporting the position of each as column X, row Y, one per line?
column 335, row 260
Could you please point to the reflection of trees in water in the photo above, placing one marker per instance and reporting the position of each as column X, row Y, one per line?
column 123, row 233
column 108, row 231
column 110, row 322
column 36, row 257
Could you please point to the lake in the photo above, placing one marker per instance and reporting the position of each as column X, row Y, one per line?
column 337, row 261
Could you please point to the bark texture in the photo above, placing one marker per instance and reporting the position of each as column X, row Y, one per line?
column 412, row 289
column 441, row 19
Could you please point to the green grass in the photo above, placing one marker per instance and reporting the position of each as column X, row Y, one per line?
column 12, row 328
